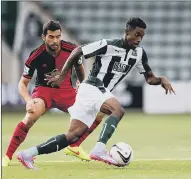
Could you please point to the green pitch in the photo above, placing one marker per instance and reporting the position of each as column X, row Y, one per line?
column 161, row 145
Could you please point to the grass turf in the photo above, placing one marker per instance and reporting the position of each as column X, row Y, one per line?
column 161, row 145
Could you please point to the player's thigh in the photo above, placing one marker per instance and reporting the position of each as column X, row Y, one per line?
column 112, row 105
column 44, row 93
column 88, row 102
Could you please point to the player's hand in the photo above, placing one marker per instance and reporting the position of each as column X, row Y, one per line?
column 167, row 86
column 53, row 81
column 30, row 108
column 53, row 78
column 77, row 84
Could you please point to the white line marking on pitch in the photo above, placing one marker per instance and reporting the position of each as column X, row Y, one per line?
column 162, row 159
column 136, row 160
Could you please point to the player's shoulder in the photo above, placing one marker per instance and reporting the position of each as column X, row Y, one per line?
column 37, row 51
column 118, row 42
column 65, row 45
column 35, row 54
column 140, row 49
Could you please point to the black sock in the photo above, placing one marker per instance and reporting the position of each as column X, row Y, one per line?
column 53, row 145
column 108, row 129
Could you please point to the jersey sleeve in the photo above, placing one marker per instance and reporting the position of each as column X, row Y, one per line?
column 143, row 65
column 95, row 48
column 29, row 67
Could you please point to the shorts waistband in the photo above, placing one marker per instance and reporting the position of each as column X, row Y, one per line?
column 93, row 81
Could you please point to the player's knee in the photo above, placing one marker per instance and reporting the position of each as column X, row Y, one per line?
column 100, row 116
column 122, row 112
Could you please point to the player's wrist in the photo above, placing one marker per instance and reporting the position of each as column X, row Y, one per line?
column 162, row 79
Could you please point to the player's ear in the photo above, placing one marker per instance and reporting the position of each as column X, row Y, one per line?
column 126, row 31
column 43, row 37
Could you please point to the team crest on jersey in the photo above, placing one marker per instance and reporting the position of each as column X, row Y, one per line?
column 134, row 53
column 120, row 67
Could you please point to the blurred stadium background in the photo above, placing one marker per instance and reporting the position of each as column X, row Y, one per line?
column 152, row 136
column 167, row 43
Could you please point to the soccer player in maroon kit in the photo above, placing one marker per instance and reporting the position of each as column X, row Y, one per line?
column 49, row 56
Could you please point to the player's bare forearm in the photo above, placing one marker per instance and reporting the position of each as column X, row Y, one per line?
column 80, row 72
column 152, row 79
column 72, row 59
column 23, row 91
column 155, row 81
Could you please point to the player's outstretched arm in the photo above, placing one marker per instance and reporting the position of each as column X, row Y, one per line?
column 163, row 81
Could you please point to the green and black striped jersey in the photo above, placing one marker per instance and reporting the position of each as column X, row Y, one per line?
column 113, row 61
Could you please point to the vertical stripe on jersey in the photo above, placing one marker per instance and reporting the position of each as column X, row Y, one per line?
column 109, row 76
column 96, row 66
column 126, row 55
column 145, row 62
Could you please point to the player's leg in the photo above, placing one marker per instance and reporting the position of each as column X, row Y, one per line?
column 42, row 97
column 22, row 130
column 113, row 108
column 76, row 148
column 97, row 121
column 89, row 101
column 54, row 144
column 64, row 99
column 82, row 113
column 115, row 111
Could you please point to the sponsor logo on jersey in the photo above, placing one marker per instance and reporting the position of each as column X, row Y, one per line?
column 44, row 65
column 120, row 67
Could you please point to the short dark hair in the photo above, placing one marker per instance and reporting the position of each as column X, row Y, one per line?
column 51, row 25
column 134, row 22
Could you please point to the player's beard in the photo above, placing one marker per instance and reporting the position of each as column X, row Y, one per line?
column 133, row 45
column 52, row 48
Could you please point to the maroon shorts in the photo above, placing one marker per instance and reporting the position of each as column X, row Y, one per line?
column 56, row 97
